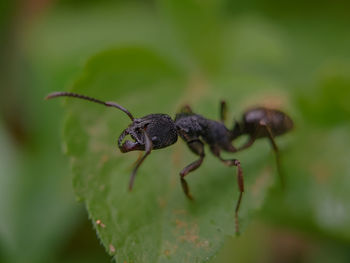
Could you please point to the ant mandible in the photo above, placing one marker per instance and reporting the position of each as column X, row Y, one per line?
column 156, row 131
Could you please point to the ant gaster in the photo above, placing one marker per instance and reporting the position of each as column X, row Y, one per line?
column 156, row 131
column 262, row 122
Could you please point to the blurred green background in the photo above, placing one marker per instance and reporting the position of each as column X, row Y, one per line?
column 294, row 55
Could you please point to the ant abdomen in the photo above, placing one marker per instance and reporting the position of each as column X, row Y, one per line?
column 278, row 123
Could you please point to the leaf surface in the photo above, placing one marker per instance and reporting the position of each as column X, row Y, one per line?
column 155, row 222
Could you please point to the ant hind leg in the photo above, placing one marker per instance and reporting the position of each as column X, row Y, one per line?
column 240, row 181
column 275, row 149
column 247, row 144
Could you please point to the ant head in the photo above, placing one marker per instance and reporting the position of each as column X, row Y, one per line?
column 160, row 129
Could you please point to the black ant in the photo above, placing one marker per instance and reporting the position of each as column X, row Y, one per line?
column 156, row 131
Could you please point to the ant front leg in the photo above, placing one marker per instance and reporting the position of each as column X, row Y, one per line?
column 148, row 149
column 275, row 149
column 197, row 147
column 233, row 162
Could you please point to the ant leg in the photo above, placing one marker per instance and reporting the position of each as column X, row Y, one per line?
column 148, row 149
column 137, row 160
column 247, row 144
column 197, row 147
column 240, row 181
column 186, row 109
column 275, row 149
column 223, row 111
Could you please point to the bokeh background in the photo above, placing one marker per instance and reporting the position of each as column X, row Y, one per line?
column 300, row 49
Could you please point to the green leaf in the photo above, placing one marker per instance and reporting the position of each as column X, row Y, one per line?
column 196, row 30
column 327, row 104
column 155, row 222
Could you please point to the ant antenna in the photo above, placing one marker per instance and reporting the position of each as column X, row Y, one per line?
column 75, row 95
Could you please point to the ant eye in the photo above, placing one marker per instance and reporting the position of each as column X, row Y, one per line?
column 154, row 139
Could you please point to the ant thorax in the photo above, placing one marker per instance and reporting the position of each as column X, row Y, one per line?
column 194, row 126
